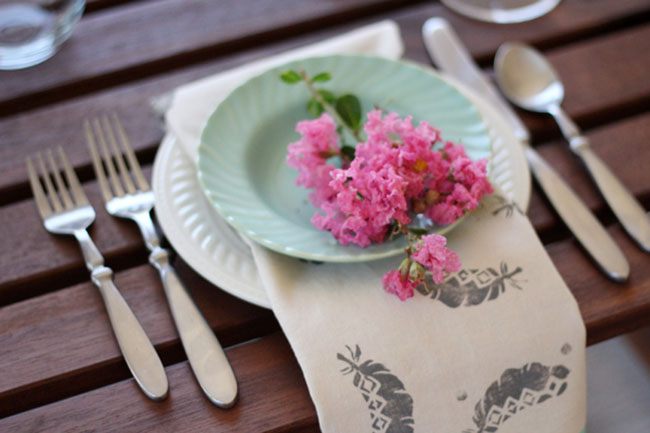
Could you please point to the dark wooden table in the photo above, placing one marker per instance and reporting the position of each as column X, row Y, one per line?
column 60, row 367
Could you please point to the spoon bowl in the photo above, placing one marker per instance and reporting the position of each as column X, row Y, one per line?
column 527, row 78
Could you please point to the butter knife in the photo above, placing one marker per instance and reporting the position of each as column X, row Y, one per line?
column 451, row 56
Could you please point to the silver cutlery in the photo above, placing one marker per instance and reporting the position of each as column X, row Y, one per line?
column 528, row 80
column 129, row 196
column 451, row 56
column 69, row 213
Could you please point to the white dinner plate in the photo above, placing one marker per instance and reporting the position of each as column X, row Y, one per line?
column 214, row 250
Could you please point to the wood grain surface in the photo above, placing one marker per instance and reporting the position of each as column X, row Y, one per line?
column 60, row 367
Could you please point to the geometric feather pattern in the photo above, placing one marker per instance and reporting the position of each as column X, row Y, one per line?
column 517, row 390
column 471, row 286
column 506, row 207
column 389, row 405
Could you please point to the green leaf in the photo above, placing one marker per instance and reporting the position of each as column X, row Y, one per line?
column 322, row 77
column 328, row 96
column 417, row 231
column 290, row 77
column 314, row 107
column 348, row 151
column 349, row 108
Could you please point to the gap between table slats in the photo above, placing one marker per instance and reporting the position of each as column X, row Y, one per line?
column 100, row 61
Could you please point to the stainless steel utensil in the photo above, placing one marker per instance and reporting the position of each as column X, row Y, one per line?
column 529, row 81
column 132, row 198
column 69, row 213
column 451, row 56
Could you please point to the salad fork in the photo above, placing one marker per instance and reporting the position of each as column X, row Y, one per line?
column 128, row 195
column 69, row 213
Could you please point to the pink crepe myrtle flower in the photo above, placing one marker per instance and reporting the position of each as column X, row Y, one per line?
column 398, row 168
column 395, row 284
column 309, row 154
column 433, row 254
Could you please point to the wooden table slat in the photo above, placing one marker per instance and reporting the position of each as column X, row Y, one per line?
column 273, row 396
column 205, row 28
column 108, row 47
column 611, row 62
column 61, row 343
column 58, row 260
column 56, row 337
column 62, row 370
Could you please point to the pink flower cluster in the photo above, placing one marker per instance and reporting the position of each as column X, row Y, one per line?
column 309, row 155
column 431, row 252
column 395, row 172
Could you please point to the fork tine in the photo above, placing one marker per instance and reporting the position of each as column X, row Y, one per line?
column 100, row 174
column 73, row 181
column 121, row 165
column 54, row 199
column 41, row 201
column 108, row 161
column 130, row 155
column 60, row 186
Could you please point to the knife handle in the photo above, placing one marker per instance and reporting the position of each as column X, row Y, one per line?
column 626, row 208
column 582, row 223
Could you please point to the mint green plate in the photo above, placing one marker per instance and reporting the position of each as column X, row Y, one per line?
column 243, row 146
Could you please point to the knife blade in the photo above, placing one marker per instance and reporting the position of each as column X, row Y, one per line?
column 451, row 56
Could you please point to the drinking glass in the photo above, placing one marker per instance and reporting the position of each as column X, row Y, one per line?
column 31, row 31
column 502, row 11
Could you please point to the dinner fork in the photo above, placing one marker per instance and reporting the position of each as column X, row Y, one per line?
column 132, row 198
column 70, row 213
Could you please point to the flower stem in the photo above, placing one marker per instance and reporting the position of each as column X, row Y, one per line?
column 411, row 238
column 332, row 112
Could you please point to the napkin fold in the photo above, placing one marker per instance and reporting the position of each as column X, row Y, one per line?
column 499, row 346
column 191, row 104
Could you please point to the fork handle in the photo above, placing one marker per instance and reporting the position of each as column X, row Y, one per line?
column 205, row 354
column 139, row 353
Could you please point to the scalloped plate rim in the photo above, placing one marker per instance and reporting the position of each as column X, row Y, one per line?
column 391, row 249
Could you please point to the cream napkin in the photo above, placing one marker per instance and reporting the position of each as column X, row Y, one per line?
column 203, row 96
column 500, row 346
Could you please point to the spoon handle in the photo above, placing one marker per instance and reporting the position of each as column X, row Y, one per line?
column 626, row 208
column 582, row 223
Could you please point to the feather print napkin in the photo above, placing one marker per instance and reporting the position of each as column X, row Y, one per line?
column 498, row 347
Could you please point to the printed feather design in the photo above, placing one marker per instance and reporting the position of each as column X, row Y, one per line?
column 518, row 389
column 391, row 407
column 506, row 206
column 471, row 286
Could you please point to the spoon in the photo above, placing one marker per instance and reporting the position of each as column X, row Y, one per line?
column 528, row 80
